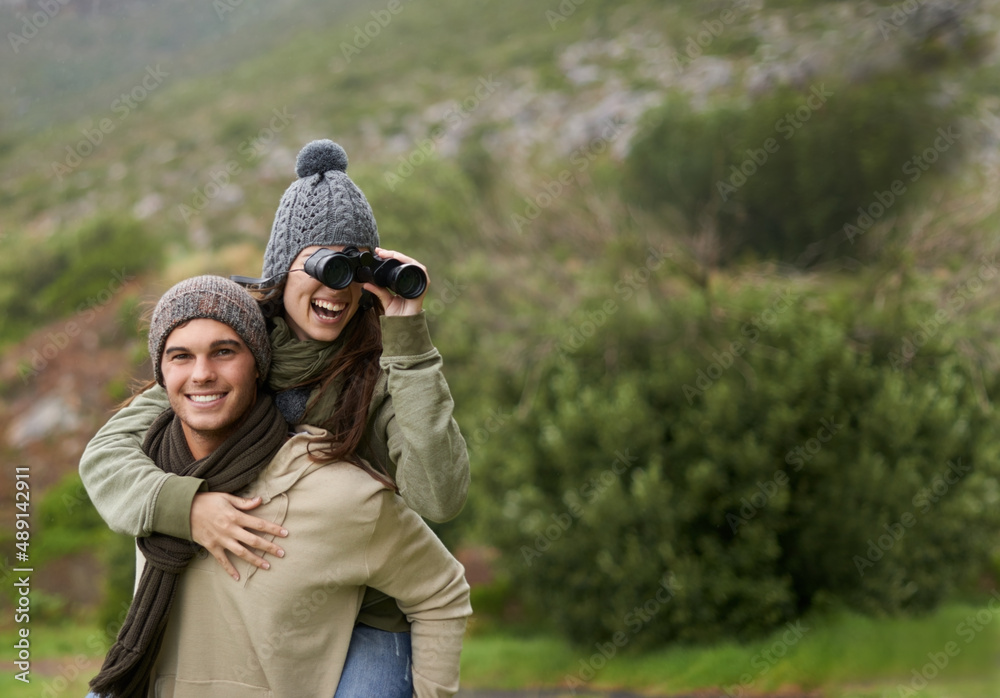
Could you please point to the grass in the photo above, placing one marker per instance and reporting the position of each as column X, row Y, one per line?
column 64, row 657
column 843, row 656
column 840, row 656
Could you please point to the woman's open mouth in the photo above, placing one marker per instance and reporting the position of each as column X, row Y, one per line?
column 328, row 311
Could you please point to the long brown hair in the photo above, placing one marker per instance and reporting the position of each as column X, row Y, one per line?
column 357, row 367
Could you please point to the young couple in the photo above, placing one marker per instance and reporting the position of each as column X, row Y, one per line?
column 275, row 564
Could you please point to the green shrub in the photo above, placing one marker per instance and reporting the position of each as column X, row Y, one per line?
column 785, row 177
column 65, row 522
column 424, row 207
column 119, row 556
column 77, row 271
column 720, row 467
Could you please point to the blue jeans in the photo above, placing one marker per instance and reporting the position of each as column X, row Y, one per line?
column 378, row 664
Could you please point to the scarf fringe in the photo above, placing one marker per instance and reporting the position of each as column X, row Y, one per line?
column 125, row 673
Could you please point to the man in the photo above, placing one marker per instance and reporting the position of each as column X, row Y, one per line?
column 285, row 632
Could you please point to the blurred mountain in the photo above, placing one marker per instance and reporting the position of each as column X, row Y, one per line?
column 139, row 106
column 69, row 58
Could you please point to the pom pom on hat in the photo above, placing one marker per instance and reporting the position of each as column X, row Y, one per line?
column 325, row 211
column 318, row 157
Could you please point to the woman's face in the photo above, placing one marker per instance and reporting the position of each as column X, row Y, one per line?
column 312, row 310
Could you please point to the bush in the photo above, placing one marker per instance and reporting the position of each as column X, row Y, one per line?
column 65, row 522
column 786, row 177
column 723, row 467
column 424, row 208
column 77, row 271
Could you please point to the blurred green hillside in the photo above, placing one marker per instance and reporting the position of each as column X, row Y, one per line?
column 187, row 117
column 666, row 242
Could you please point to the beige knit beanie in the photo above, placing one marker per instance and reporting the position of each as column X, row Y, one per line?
column 214, row 298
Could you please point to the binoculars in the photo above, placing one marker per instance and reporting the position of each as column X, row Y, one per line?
column 339, row 269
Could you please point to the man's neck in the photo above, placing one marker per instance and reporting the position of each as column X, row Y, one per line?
column 202, row 444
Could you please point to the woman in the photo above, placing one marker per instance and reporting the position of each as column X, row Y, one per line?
column 357, row 362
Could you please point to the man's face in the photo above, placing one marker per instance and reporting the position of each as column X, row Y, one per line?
column 211, row 380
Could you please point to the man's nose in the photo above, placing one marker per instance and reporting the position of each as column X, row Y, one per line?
column 204, row 370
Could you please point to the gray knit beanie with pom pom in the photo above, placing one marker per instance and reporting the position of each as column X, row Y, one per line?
column 323, row 207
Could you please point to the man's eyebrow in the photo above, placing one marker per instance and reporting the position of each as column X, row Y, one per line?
column 215, row 345
column 227, row 343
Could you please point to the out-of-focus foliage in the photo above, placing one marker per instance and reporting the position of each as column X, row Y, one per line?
column 65, row 522
column 786, row 175
column 739, row 459
column 74, row 273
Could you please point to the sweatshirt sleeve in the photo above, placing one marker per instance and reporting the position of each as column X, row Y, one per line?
column 423, row 439
column 130, row 493
column 407, row 561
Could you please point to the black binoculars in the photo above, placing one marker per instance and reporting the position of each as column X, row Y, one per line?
column 338, row 269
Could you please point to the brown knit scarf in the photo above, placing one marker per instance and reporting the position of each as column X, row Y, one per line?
column 231, row 467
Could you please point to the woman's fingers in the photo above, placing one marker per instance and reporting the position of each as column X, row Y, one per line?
column 220, row 556
column 219, row 525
